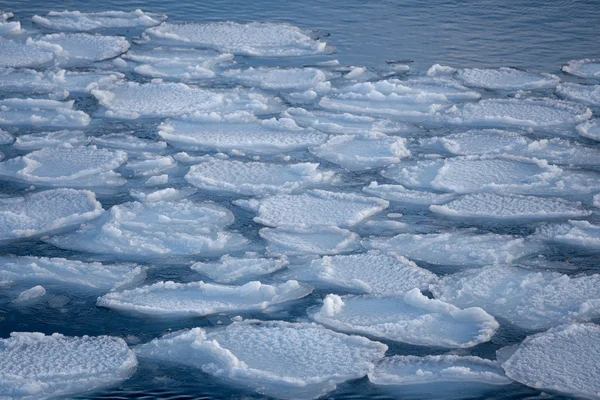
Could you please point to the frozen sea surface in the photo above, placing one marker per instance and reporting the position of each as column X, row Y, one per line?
column 378, row 200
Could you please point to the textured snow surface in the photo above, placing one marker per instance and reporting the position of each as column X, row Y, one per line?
column 401, row 194
column 586, row 68
column 590, row 130
column 506, row 79
column 325, row 240
column 79, row 49
column 280, row 78
column 76, row 21
column 413, row 319
column 129, row 143
column 563, row 359
column 576, row 233
column 231, row 269
column 41, row 140
column 35, row 366
column 587, row 94
column 41, row 113
column 23, row 55
column 527, row 298
column 279, row 359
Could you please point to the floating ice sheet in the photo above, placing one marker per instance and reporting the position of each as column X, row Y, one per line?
column 253, row 39
column 587, row 94
column 562, row 359
column 575, row 233
column 31, row 294
column 529, row 299
column 278, row 359
column 280, row 78
column 363, row 151
column 37, row 141
column 459, row 248
column 44, row 212
column 129, row 143
column 586, row 68
column 506, row 79
column 76, row 21
column 314, row 208
column 41, row 113
column 172, row 299
column 150, row 165
column 294, row 241
column 156, row 228
column 401, row 194
column 413, row 319
column 590, row 130
column 373, row 273
column 23, row 55
column 35, row 366
column 9, row 27
column 256, row 178
column 230, row 269
column 5, row 138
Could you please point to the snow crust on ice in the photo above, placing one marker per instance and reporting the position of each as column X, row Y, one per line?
column 374, row 272
column 505, row 79
column 199, row 298
column 401, row 194
column 241, row 131
column 45, row 212
column 363, row 151
column 150, row 165
column 575, row 233
column 314, row 208
column 413, row 319
column 256, row 178
column 156, row 228
column 35, row 366
column 563, row 359
column 296, row 241
column 232, row 269
column 530, row 299
column 31, row 294
column 41, row 140
column 23, row 55
column 279, row 359
column 93, row 275
column 76, row 21
column 586, row 68
column 129, row 143
column 41, row 113
column 590, row 130
column 280, row 78
column 459, row 248
column 587, row 94
column 264, row 39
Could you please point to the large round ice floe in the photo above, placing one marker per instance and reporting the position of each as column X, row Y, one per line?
column 575, row 233
column 586, row 68
column 320, row 240
column 255, row 178
column 23, row 55
column 587, row 94
column 134, row 100
column 280, row 78
column 41, row 113
column 526, row 298
column 373, row 273
column 413, row 319
column 70, row 272
column 239, row 132
column 278, row 359
column 590, row 130
column 67, row 167
column 44, row 212
column 156, row 228
column 231, row 269
column 401, row 194
column 35, row 366
column 506, row 79
column 460, row 248
column 545, row 114
column 76, row 21
column 563, row 359
column 172, row 299
column 510, row 207
column 41, row 140
column 314, row 208
column 363, row 151
column 254, row 39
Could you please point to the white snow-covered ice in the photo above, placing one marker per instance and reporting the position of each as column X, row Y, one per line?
column 585, row 68
column 36, row 112
column 76, row 21
column 506, row 79
column 320, row 240
column 231, row 269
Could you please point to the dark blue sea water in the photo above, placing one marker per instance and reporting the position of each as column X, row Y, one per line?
column 537, row 35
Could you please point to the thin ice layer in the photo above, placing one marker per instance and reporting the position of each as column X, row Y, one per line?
column 41, row 140
column 134, row 100
column 23, row 55
column 280, row 78
column 575, row 233
column 156, row 229
column 459, row 248
column 314, row 208
column 265, row 39
column 239, row 132
column 195, row 299
column 129, row 143
column 401, row 194
column 44, row 212
column 587, row 94
column 77, row 167
column 412, row 318
column 76, row 21
column 586, row 68
column 278, row 359
column 92, row 275
column 231, row 269
column 256, row 178
column 510, row 207
column 363, row 151
column 563, row 359
column 590, row 130
column 506, row 79
column 35, row 366
column 295, row 241
column 79, row 49
column 41, row 113
column 386, row 274
column 530, row 299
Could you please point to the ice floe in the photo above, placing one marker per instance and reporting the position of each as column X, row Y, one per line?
column 588, row 94
column 35, row 366
column 590, row 130
column 150, row 165
column 264, row 39
column 76, row 21
column 314, row 208
column 505, row 79
column 280, row 78
column 530, row 299
column 41, row 113
column 129, row 143
column 401, row 194
column 376, row 273
column 256, row 178
column 278, row 359
column 586, row 68
column 575, row 233
column 363, row 151
column 295, row 241
column 31, row 294
column 23, row 55
column 459, row 248
column 9, row 27
column 45, row 212
column 413, row 319
column 41, row 140
column 231, row 269
column 562, row 359
column 5, row 138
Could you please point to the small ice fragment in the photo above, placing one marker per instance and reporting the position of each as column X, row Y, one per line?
column 294, row 241
column 586, row 68
column 230, row 269
column 31, row 294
